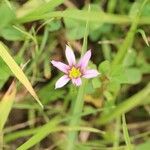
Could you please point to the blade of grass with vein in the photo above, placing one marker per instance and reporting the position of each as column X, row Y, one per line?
column 5, row 107
column 94, row 16
column 42, row 133
column 39, row 131
column 6, row 104
column 39, row 10
column 125, row 133
column 17, row 71
column 127, row 105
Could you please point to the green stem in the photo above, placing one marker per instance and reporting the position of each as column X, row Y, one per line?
column 78, row 107
column 111, row 6
column 79, row 103
column 117, row 134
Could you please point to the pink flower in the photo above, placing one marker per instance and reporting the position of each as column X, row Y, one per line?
column 74, row 71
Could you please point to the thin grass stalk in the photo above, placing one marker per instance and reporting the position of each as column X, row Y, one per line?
column 125, row 133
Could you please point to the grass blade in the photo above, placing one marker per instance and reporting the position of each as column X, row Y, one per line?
column 5, row 107
column 6, row 104
column 127, row 105
column 17, row 71
column 94, row 16
column 39, row 10
column 125, row 133
column 42, row 133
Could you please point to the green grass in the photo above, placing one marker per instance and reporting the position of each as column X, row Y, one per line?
column 107, row 112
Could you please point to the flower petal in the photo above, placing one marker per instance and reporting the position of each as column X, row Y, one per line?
column 62, row 81
column 61, row 66
column 77, row 81
column 84, row 60
column 90, row 73
column 70, row 56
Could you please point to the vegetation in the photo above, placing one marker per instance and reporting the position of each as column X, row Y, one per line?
column 110, row 111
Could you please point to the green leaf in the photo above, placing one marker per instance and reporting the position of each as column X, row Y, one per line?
column 96, row 83
column 7, row 15
column 143, row 36
column 54, row 25
column 133, row 75
column 130, row 58
column 5, row 73
column 17, row 71
column 146, row 10
column 113, row 85
column 104, row 67
column 37, row 8
column 6, row 105
column 75, row 29
column 117, row 74
column 10, row 33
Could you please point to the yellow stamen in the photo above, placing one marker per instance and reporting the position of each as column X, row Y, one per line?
column 74, row 72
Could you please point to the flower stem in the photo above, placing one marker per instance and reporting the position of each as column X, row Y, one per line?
column 77, row 109
column 79, row 103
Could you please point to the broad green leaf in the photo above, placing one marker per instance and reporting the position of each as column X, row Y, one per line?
column 6, row 105
column 117, row 74
column 133, row 75
column 130, row 58
column 113, row 85
column 7, row 15
column 54, row 25
column 104, row 67
column 146, row 10
column 10, row 33
column 96, row 83
column 76, row 29
column 17, row 71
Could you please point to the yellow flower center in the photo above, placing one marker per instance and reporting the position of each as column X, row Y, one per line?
column 74, row 72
